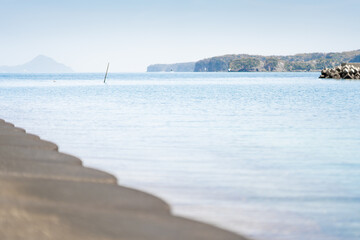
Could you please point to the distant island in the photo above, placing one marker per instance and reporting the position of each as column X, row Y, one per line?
column 40, row 64
column 176, row 67
column 305, row 62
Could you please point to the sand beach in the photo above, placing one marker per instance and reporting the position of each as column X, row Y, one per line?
column 46, row 194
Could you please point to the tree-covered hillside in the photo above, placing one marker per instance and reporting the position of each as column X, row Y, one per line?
column 254, row 63
column 258, row 63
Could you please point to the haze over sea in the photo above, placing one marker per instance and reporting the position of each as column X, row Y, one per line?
column 268, row 155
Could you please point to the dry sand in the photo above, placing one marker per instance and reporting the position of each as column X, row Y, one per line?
column 45, row 194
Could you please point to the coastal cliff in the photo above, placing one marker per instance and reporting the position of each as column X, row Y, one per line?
column 306, row 62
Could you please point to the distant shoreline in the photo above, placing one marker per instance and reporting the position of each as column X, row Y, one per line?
column 305, row 62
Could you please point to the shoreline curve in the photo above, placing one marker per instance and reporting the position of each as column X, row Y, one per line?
column 46, row 194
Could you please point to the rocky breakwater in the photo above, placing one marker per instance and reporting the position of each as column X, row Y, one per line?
column 344, row 71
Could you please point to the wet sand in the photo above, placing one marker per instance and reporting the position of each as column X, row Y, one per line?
column 46, row 194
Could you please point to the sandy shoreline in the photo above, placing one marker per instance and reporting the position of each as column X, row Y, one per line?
column 46, row 194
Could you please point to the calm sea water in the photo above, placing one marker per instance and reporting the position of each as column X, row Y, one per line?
column 268, row 155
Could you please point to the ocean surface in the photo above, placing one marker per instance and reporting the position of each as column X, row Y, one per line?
column 273, row 156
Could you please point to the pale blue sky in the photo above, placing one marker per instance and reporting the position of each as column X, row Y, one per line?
column 133, row 34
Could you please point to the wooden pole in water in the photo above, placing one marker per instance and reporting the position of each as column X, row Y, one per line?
column 107, row 69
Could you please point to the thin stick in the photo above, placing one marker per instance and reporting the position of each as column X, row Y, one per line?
column 106, row 72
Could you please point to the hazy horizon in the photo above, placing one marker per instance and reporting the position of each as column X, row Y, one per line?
column 85, row 35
